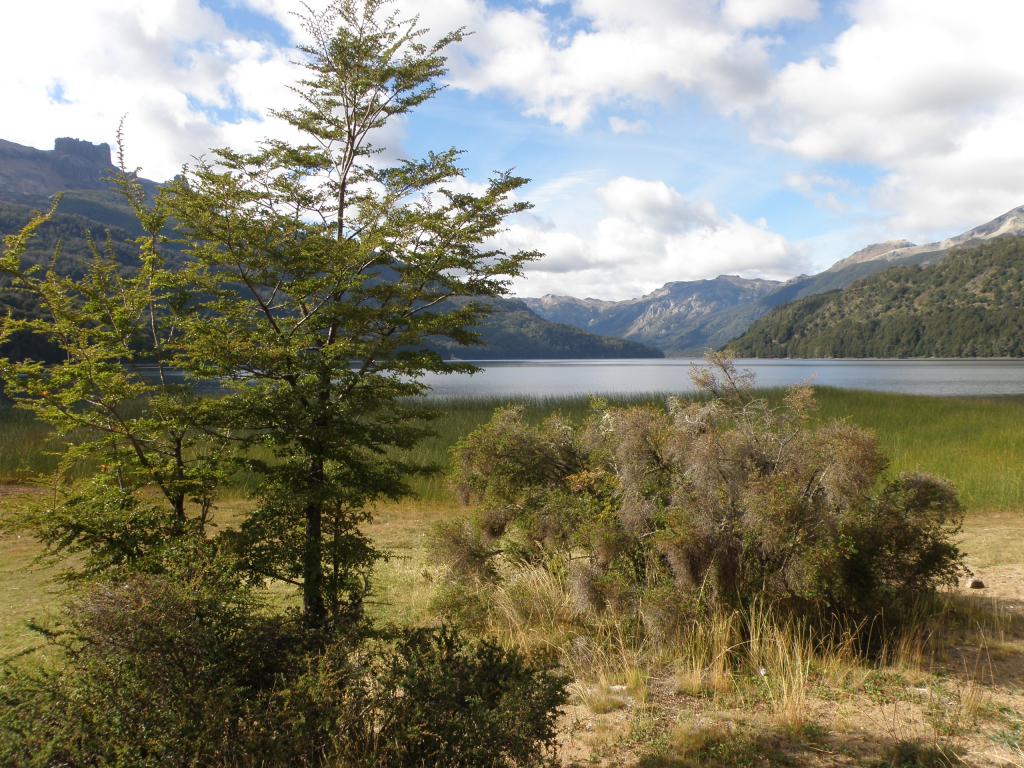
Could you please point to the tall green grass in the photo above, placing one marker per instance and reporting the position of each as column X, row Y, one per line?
column 976, row 443
column 25, row 446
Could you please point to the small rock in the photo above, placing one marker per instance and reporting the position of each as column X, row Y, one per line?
column 617, row 688
column 976, row 584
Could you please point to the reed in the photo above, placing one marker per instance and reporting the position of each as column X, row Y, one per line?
column 976, row 443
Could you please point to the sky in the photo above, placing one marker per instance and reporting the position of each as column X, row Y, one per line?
column 665, row 139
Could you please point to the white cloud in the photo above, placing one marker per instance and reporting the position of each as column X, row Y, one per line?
column 819, row 188
column 645, row 50
column 933, row 97
column 649, row 234
column 766, row 13
column 173, row 67
column 621, row 125
column 654, row 204
column 287, row 13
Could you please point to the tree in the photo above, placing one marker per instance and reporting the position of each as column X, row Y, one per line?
column 325, row 270
column 111, row 397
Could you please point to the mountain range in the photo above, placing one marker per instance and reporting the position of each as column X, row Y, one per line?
column 688, row 318
column 891, row 290
column 679, row 318
column 91, row 204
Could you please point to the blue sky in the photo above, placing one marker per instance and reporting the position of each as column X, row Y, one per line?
column 666, row 139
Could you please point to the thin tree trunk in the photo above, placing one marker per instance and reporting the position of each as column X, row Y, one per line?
column 313, row 607
column 178, row 503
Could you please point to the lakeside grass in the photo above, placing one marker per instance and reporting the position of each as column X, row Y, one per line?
column 629, row 708
column 975, row 443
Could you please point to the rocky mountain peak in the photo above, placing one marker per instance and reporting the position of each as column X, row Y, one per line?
column 872, row 252
column 1010, row 223
column 77, row 149
column 30, row 176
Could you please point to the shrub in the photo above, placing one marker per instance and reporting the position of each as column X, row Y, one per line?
column 666, row 514
column 429, row 698
column 188, row 669
column 160, row 670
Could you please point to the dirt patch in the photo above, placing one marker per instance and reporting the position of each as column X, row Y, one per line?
column 1005, row 582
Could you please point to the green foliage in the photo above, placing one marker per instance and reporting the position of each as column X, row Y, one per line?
column 967, row 305
column 430, row 698
column 188, row 668
column 109, row 399
column 173, row 669
column 326, row 274
column 665, row 513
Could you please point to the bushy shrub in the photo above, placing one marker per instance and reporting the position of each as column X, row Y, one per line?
column 429, row 698
column 186, row 668
column 159, row 670
column 664, row 514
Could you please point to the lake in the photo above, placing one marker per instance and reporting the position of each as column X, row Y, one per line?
column 560, row 378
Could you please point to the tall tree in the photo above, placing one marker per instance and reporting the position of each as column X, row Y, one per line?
column 326, row 268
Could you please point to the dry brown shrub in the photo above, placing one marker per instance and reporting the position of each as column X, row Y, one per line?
column 660, row 515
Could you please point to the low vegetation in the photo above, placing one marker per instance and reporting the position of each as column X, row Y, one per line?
column 941, row 692
column 662, row 517
column 184, row 669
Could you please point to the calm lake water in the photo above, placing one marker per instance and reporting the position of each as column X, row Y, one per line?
column 556, row 378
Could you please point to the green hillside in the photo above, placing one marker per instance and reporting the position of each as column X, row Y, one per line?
column 512, row 331
column 971, row 304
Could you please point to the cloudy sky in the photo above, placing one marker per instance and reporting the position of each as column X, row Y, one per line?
column 666, row 139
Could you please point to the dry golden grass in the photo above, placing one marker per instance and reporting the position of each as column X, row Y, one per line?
column 947, row 693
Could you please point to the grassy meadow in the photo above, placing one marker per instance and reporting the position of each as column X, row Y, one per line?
column 951, row 693
column 976, row 443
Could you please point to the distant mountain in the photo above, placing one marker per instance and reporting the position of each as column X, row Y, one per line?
column 905, row 252
column 687, row 318
column 881, row 256
column 966, row 300
column 513, row 331
column 31, row 174
column 80, row 170
column 681, row 318
column 91, row 204
column 873, row 252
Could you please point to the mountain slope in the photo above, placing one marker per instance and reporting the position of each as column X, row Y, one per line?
column 513, row 331
column 79, row 170
column 968, row 304
column 881, row 256
column 680, row 318
column 92, row 205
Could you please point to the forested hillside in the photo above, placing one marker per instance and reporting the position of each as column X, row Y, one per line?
column 512, row 331
column 968, row 305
